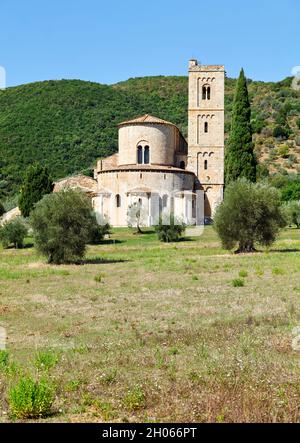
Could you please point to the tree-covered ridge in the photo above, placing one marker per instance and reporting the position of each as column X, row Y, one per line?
column 68, row 124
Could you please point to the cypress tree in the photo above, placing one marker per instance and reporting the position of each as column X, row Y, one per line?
column 2, row 209
column 239, row 156
column 36, row 184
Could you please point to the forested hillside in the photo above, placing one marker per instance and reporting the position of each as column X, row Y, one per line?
column 68, row 124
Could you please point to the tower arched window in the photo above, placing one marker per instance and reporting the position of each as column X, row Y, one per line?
column 182, row 165
column 206, row 127
column 118, row 201
column 146, row 155
column 140, row 155
column 206, row 92
column 205, row 164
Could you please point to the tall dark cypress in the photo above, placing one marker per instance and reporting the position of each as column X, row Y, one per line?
column 36, row 184
column 239, row 156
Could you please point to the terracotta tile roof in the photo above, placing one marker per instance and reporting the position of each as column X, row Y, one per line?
column 152, row 167
column 146, row 119
column 86, row 184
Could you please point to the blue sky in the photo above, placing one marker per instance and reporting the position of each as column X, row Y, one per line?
column 109, row 41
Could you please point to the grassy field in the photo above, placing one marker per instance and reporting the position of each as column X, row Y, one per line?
column 144, row 331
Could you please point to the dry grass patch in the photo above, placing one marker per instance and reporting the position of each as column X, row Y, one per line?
column 198, row 348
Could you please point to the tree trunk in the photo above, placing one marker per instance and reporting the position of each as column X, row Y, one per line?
column 139, row 231
column 245, row 248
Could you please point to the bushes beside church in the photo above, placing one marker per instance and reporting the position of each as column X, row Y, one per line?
column 169, row 229
column 100, row 229
column 13, row 233
column 63, row 224
column 250, row 213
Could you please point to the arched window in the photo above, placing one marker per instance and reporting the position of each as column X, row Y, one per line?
column 143, row 153
column 206, row 127
column 146, row 155
column 205, row 164
column 208, row 93
column 182, row 165
column 118, row 201
column 140, row 155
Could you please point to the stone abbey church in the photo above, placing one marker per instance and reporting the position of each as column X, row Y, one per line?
column 155, row 162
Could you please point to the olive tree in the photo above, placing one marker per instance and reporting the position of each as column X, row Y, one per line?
column 62, row 224
column 250, row 213
column 292, row 213
column 137, row 216
column 13, row 233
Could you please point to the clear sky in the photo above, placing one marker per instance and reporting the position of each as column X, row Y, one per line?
column 112, row 40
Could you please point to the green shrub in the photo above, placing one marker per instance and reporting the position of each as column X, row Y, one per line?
column 99, row 278
column 280, row 132
column 277, row 271
column 262, row 172
column 172, row 231
column 291, row 191
column 238, row 283
column 250, row 213
column 298, row 123
column 134, row 399
column 62, row 223
column 46, row 360
column 283, row 151
column 243, row 273
column 292, row 213
column 173, row 351
column 109, row 377
column 105, row 409
column 10, row 202
column 9, row 368
column 257, row 125
column 13, row 233
column 4, row 359
column 72, row 385
column 100, row 228
column 259, row 272
column 30, row 398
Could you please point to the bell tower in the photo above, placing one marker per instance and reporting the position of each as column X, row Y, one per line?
column 206, row 131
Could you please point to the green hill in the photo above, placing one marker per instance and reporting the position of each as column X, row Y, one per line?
column 68, row 124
